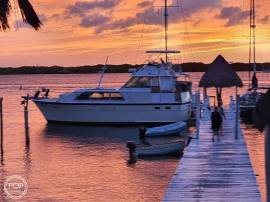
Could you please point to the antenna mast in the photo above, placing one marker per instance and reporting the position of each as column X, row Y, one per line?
column 253, row 33
column 252, row 44
column 166, row 15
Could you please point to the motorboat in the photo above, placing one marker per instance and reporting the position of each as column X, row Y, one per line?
column 171, row 129
column 155, row 93
column 171, row 148
column 249, row 101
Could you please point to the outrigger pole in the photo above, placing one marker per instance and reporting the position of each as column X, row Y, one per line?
column 166, row 15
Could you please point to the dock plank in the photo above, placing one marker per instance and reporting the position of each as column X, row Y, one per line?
column 215, row 171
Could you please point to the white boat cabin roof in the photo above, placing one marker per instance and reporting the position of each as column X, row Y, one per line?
column 155, row 69
column 98, row 90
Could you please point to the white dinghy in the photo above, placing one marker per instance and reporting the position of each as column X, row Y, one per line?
column 160, row 149
column 170, row 129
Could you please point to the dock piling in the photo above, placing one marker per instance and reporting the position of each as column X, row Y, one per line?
column 267, row 162
column 1, row 130
column 25, row 103
column 198, row 114
column 237, row 117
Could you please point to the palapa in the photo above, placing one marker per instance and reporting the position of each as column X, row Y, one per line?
column 220, row 75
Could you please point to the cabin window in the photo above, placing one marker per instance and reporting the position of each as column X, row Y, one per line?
column 97, row 96
column 101, row 96
column 116, row 96
column 83, row 96
column 138, row 82
column 107, row 96
column 183, row 86
column 155, row 85
column 185, row 97
column 155, row 81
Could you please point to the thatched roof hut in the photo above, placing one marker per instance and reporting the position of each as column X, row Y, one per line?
column 220, row 75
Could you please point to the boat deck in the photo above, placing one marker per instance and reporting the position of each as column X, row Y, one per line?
column 215, row 171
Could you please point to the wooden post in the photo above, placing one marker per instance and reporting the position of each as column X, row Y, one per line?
column 237, row 97
column 1, row 130
column 205, row 93
column 267, row 161
column 26, row 114
column 26, row 123
column 198, row 114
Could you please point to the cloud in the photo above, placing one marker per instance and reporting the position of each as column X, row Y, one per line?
column 233, row 15
column 93, row 20
column 150, row 15
column 191, row 7
column 79, row 8
column 144, row 4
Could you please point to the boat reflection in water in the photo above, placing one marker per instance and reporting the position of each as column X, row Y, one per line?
column 90, row 136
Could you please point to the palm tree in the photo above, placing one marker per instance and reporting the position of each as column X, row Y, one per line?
column 28, row 13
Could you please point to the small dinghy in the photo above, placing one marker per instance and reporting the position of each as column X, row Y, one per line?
column 171, row 148
column 161, row 149
column 166, row 130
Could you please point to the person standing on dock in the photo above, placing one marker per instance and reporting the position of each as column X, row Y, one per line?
column 222, row 114
column 216, row 122
column 221, row 110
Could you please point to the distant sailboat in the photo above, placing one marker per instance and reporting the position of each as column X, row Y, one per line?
column 249, row 100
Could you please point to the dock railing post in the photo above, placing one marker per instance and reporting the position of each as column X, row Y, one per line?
column 198, row 114
column 237, row 117
column 1, row 130
column 267, row 161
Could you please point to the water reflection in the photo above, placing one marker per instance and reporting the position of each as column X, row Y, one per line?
column 84, row 163
column 90, row 134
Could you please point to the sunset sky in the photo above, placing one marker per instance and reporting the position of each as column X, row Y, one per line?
column 78, row 32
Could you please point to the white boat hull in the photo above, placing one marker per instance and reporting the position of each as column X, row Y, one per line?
column 166, row 130
column 113, row 113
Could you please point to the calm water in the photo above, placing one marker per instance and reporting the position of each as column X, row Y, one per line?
column 83, row 163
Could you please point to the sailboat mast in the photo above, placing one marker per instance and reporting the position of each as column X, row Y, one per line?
column 253, row 32
column 166, row 15
column 250, row 45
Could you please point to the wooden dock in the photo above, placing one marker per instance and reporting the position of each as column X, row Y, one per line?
column 215, row 171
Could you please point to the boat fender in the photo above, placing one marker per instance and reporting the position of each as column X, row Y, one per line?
column 132, row 152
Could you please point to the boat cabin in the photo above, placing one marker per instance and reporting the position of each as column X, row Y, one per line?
column 153, row 83
column 158, row 83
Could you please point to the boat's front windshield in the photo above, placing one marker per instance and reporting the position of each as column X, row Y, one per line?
column 138, row 82
column 183, row 77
